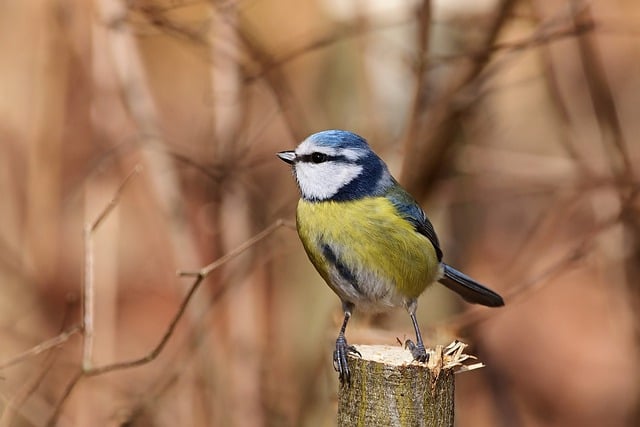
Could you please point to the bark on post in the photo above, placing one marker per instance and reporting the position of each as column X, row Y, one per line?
column 388, row 389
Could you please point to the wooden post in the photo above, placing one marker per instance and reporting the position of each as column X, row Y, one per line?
column 388, row 389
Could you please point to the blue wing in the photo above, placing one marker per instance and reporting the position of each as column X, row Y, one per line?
column 458, row 282
column 411, row 211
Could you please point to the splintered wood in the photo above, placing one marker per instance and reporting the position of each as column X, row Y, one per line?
column 451, row 356
column 388, row 387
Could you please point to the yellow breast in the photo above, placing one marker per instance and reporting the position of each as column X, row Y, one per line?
column 378, row 247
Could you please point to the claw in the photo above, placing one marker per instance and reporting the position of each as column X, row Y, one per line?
column 340, row 359
column 417, row 350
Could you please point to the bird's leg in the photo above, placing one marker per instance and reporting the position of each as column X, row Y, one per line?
column 417, row 349
column 342, row 348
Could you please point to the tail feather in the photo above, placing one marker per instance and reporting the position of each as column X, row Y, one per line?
column 469, row 289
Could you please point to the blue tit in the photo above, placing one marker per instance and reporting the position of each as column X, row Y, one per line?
column 367, row 237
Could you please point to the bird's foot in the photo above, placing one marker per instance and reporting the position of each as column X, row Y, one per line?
column 417, row 350
column 340, row 358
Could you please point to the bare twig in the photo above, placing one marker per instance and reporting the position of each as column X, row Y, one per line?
column 602, row 98
column 57, row 409
column 88, row 301
column 560, row 26
column 205, row 271
column 14, row 403
column 56, row 341
column 114, row 200
column 161, row 344
column 200, row 275
column 331, row 38
column 433, row 125
column 517, row 293
column 476, row 315
column 158, row 18
column 558, row 103
column 199, row 278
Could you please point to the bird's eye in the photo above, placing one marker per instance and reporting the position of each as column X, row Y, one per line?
column 318, row 157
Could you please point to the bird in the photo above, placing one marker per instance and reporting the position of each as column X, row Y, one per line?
column 367, row 237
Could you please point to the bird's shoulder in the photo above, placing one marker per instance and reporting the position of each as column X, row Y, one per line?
column 410, row 210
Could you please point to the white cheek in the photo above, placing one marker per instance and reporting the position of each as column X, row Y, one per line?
column 324, row 180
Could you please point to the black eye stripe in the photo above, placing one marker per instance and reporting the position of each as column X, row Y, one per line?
column 308, row 158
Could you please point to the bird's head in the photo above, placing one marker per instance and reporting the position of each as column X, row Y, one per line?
column 337, row 165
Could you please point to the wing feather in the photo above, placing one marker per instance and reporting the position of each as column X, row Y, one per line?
column 409, row 209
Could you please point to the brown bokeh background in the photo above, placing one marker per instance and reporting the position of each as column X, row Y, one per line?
column 513, row 122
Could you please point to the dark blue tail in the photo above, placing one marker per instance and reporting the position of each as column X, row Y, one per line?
column 469, row 289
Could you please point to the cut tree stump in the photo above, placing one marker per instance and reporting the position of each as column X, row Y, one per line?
column 388, row 388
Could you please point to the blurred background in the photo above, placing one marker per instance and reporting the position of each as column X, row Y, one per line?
column 514, row 123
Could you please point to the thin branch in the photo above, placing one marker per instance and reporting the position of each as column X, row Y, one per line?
column 545, row 33
column 517, row 293
column 158, row 19
column 116, row 197
column 474, row 315
column 14, row 403
column 153, row 354
column 199, row 278
column 433, row 125
column 602, row 98
column 88, row 301
column 56, row 341
column 540, row 37
column 558, row 103
column 161, row 344
column 205, row 271
column 327, row 40
column 57, row 409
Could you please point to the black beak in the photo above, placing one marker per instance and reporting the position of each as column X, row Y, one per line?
column 287, row 156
